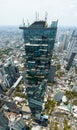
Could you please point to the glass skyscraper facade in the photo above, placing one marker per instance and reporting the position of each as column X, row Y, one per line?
column 39, row 42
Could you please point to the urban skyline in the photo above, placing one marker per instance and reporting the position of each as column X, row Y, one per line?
column 12, row 12
column 16, row 101
column 38, row 67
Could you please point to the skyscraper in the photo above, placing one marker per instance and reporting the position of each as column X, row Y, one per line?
column 39, row 42
column 72, row 49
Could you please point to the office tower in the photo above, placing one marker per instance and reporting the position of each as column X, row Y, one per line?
column 11, row 72
column 66, row 40
column 38, row 61
column 72, row 50
column 39, row 42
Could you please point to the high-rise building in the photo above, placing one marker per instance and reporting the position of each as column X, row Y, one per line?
column 11, row 72
column 72, row 49
column 66, row 40
column 39, row 42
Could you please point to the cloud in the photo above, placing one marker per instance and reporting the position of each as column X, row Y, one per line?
column 13, row 11
column 72, row 6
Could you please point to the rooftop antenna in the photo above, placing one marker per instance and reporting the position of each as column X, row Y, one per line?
column 23, row 23
column 28, row 22
column 36, row 16
column 46, row 15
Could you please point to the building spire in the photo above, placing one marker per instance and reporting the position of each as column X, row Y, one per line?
column 23, row 23
column 46, row 15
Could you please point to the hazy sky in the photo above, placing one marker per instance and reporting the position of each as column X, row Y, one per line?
column 13, row 11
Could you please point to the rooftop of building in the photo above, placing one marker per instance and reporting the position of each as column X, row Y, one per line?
column 40, row 24
column 12, row 107
column 3, row 121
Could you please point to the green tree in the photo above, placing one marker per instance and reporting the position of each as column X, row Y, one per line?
column 58, row 67
column 66, row 126
column 56, row 127
column 71, row 94
column 49, row 106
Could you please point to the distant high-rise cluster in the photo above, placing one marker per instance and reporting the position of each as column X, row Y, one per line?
column 72, row 49
column 8, row 74
column 64, row 39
